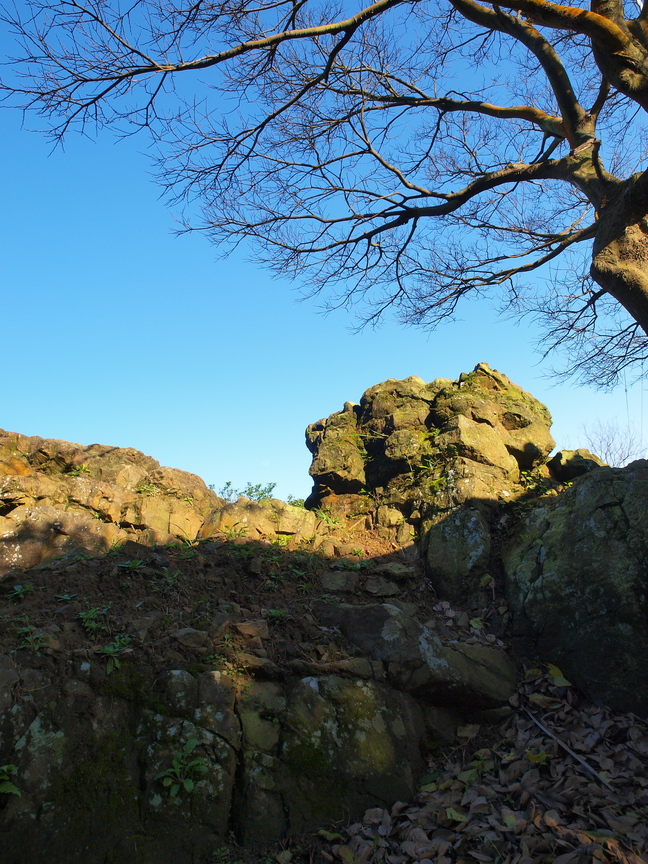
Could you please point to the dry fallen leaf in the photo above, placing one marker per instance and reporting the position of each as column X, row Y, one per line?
column 557, row 678
column 525, row 795
column 470, row 730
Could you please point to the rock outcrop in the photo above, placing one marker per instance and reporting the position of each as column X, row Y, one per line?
column 458, row 675
column 569, row 464
column 458, row 463
column 284, row 668
column 267, row 519
column 577, row 583
column 268, row 759
column 154, row 700
column 57, row 498
column 434, row 459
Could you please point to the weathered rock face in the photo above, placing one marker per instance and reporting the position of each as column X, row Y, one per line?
column 432, row 458
column 346, row 744
column 463, row 676
column 307, row 752
column 409, row 441
column 56, row 497
column 254, row 520
column 577, row 581
column 133, row 762
column 458, row 548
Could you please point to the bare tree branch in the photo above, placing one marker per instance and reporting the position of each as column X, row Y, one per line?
column 346, row 147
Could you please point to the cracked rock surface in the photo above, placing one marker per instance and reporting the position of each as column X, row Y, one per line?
column 577, row 583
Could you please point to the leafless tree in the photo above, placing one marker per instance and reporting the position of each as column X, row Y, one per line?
column 614, row 443
column 403, row 154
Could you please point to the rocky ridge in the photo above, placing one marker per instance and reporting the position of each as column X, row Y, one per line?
column 174, row 667
column 57, row 497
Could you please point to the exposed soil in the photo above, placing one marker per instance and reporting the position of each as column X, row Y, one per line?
column 80, row 604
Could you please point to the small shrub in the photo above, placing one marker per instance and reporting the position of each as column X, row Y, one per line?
column 184, row 771
column 295, row 502
column 80, row 469
column 533, row 481
column 19, row 592
column 170, row 579
column 235, row 531
column 147, row 489
column 95, row 619
column 6, row 786
column 327, row 518
column 32, row 639
column 134, row 565
column 280, row 541
column 253, row 491
column 112, row 651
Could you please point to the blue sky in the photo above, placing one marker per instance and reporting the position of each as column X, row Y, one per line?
column 117, row 332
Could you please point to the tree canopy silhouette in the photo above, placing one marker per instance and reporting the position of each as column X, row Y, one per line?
column 404, row 154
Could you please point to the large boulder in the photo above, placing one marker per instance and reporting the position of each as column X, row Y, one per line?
column 255, row 520
column 458, row 675
column 347, row 744
column 458, row 548
column 438, row 457
column 577, row 582
column 488, row 397
column 337, row 451
column 569, row 464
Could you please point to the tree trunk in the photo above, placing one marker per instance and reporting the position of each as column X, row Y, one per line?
column 620, row 253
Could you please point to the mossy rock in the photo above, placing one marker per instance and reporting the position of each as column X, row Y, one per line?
column 407, row 445
column 403, row 441
column 348, row 745
column 403, row 403
column 487, row 396
column 457, row 550
column 577, row 585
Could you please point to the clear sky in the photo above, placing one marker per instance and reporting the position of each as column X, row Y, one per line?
column 115, row 331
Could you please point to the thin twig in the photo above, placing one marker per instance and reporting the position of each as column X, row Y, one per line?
column 569, row 750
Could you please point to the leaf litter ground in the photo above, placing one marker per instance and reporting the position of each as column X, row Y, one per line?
column 562, row 781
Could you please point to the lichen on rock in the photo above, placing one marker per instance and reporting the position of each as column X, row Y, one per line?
column 576, row 581
column 348, row 743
